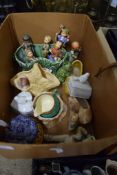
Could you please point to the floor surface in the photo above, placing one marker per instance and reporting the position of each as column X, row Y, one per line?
column 15, row 166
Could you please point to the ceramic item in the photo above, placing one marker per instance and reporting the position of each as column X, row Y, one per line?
column 75, row 51
column 76, row 69
column 27, row 43
column 52, row 120
column 97, row 170
column 55, row 52
column 63, row 35
column 45, row 103
column 77, row 65
column 36, row 80
column 69, row 171
column 83, row 78
column 55, row 109
column 21, row 58
column 85, row 114
column 111, row 167
column 23, row 103
column 73, row 115
column 63, row 72
column 29, row 56
column 80, row 135
column 3, row 123
column 78, row 89
column 86, row 172
column 46, row 45
column 23, row 129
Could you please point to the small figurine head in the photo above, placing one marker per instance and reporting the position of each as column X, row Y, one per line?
column 29, row 54
column 47, row 39
column 75, row 45
column 65, row 32
column 58, row 44
column 26, row 38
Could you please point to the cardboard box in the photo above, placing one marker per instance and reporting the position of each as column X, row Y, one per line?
column 101, row 34
column 102, row 31
column 104, row 97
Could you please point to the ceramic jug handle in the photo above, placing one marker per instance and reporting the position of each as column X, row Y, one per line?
column 103, row 69
column 3, row 123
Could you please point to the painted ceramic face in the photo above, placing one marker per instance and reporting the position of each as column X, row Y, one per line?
column 29, row 54
column 58, row 45
column 24, row 82
column 63, row 33
column 75, row 45
column 47, row 39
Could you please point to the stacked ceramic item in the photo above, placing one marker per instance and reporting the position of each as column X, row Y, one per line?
column 77, row 85
column 49, row 108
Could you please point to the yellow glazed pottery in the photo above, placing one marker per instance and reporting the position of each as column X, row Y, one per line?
column 36, row 80
column 76, row 64
column 44, row 104
column 48, row 119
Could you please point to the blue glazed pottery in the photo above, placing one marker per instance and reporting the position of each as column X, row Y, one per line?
column 22, row 129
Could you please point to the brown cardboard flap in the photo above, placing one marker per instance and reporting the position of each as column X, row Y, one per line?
column 7, row 47
column 55, row 150
column 37, row 25
column 104, row 98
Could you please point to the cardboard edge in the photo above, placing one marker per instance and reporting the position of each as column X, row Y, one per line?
column 106, row 48
column 9, row 20
column 56, row 150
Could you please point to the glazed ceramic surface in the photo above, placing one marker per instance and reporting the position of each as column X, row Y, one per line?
column 40, row 80
column 51, row 109
column 55, row 109
column 52, row 119
column 44, row 104
column 78, row 64
column 23, row 62
column 23, row 103
column 79, row 89
column 22, row 129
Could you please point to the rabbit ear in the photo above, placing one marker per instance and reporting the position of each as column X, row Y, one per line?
column 3, row 123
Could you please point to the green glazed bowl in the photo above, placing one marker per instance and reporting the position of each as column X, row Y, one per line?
column 25, row 64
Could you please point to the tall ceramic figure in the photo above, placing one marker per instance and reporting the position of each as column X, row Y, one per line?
column 63, row 35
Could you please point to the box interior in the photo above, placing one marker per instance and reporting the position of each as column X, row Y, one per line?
column 37, row 25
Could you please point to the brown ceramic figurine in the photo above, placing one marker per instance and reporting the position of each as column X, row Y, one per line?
column 74, row 110
column 46, row 45
column 63, row 35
